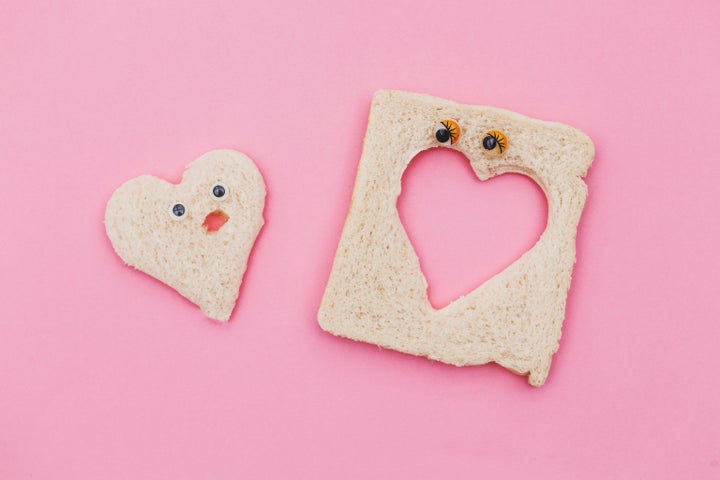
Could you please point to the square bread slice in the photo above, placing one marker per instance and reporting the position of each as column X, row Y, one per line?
column 377, row 292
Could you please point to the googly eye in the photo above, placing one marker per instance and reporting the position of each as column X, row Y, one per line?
column 219, row 191
column 495, row 139
column 448, row 131
column 178, row 211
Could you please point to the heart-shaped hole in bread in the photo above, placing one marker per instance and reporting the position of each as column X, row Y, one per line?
column 464, row 230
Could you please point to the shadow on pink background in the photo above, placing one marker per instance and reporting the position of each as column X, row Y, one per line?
column 106, row 373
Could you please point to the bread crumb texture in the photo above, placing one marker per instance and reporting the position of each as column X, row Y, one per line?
column 377, row 292
column 150, row 232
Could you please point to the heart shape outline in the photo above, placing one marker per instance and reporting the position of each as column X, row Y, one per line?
column 443, row 202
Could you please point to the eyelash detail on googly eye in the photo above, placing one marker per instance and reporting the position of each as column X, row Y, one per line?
column 495, row 138
column 219, row 191
column 178, row 211
column 448, row 131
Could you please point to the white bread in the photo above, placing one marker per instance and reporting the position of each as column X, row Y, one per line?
column 377, row 292
column 203, row 265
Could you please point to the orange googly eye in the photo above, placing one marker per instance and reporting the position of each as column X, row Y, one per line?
column 495, row 139
column 448, row 131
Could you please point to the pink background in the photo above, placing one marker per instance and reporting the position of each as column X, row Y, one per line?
column 106, row 373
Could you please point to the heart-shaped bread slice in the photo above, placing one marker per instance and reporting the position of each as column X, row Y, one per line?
column 195, row 236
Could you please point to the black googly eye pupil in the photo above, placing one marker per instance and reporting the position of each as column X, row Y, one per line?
column 489, row 142
column 219, row 191
column 442, row 135
column 178, row 210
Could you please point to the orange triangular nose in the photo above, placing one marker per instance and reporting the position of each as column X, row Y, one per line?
column 215, row 220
